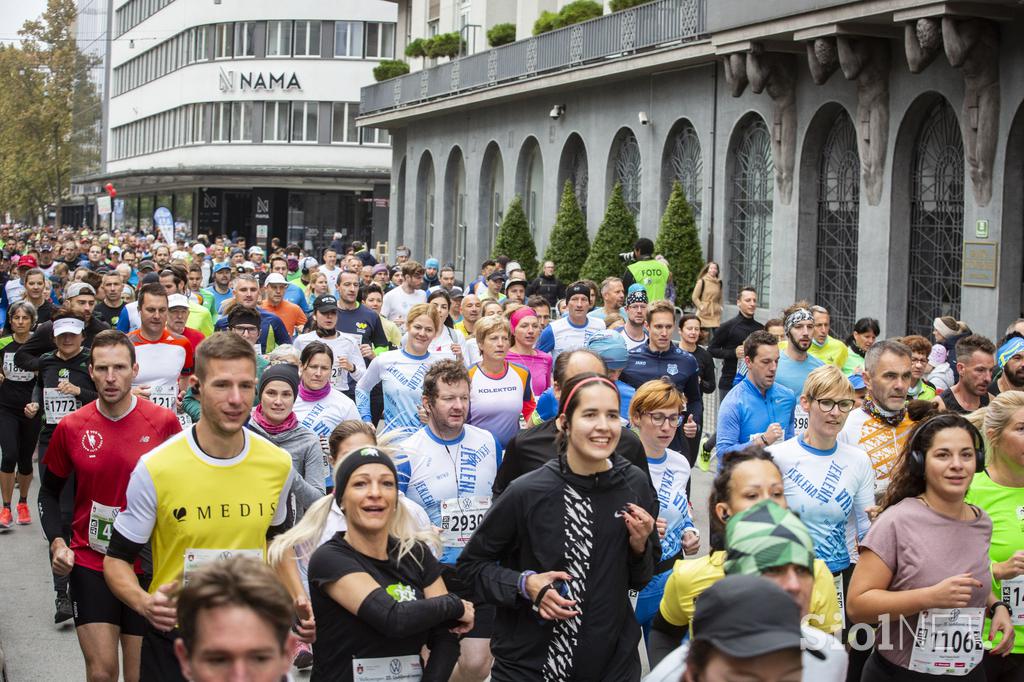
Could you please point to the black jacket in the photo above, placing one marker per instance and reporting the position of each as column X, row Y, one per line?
column 533, row 448
column 41, row 342
column 731, row 334
column 555, row 520
column 549, row 287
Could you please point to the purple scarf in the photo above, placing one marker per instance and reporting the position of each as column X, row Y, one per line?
column 273, row 429
column 311, row 396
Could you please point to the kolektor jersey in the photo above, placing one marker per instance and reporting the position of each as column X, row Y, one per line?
column 432, row 471
column 562, row 335
column 402, row 377
column 669, row 475
column 196, row 508
column 496, row 402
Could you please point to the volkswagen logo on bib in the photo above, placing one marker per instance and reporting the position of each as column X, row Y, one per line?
column 395, row 666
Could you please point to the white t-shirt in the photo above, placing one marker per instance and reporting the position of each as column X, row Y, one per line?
column 323, row 415
column 342, row 346
column 15, row 290
column 630, row 342
column 397, row 303
column 332, row 278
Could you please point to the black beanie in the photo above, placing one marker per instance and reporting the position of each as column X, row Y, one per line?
column 284, row 372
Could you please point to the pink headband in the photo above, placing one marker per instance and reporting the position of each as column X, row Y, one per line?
column 585, row 382
column 519, row 315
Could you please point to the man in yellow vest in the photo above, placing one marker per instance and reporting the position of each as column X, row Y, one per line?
column 645, row 270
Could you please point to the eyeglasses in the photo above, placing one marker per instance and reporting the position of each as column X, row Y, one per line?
column 659, row 419
column 919, row 361
column 827, row 405
column 245, row 329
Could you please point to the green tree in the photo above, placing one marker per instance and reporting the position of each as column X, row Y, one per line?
column 618, row 5
column 573, row 13
column 501, row 34
column 679, row 242
column 390, row 68
column 570, row 243
column 416, row 48
column 514, row 239
column 616, row 235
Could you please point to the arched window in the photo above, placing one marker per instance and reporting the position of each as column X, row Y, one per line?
column 491, row 199
column 753, row 186
column 628, row 171
column 936, row 220
column 686, row 166
column 534, row 189
column 455, row 208
column 838, row 220
column 425, row 201
column 574, row 167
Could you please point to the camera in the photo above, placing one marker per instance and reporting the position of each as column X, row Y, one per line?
column 627, row 257
column 557, row 111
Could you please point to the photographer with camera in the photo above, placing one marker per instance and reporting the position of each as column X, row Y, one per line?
column 643, row 269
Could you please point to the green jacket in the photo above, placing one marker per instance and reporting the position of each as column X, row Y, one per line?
column 652, row 274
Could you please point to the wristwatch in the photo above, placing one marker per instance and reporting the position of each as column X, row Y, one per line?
column 992, row 609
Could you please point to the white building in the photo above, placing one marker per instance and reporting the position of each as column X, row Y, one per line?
column 239, row 116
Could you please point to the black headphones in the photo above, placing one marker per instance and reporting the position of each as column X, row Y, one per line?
column 937, row 423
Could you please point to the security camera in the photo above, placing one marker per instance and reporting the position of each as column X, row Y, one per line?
column 643, row 118
column 557, row 111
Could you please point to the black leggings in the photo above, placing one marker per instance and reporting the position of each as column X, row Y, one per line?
column 1004, row 668
column 879, row 669
column 18, row 436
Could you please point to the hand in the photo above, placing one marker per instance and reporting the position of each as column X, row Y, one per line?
column 690, row 427
column 873, row 511
column 954, row 592
column 691, row 542
column 1011, row 568
column 305, row 627
column 773, row 433
column 457, row 351
column 739, row 352
column 141, row 391
column 662, row 526
column 1001, row 623
column 31, row 409
column 553, row 606
column 639, row 524
column 68, row 388
column 344, row 364
column 367, row 350
column 63, row 558
column 161, row 608
column 466, row 620
column 422, row 413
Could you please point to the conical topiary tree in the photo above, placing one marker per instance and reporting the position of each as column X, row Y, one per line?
column 679, row 242
column 514, row 239
column 570, row 242
column 616, row 235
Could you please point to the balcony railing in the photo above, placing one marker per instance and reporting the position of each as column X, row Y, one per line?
column 656, row 24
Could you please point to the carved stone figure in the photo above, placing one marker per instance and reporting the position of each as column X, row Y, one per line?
column 823, row 59
column 735, row 73
column 972, row 45
column 923, row 43
column 867, row 61
column 776, row 74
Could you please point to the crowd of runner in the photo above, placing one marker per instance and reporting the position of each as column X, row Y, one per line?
column 252, row 461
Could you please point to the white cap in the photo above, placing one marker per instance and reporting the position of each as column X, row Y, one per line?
column 255, row 249
column 179, row 255
column 248, row 265
column 68, row 325
column 177, row 301
column 198, row 248
column 275, row 278
column 307, row 263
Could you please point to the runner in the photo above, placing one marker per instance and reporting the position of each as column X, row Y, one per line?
column 165, row 361
column 220, row 291
column 727, row 344
column 272, row 330
column 110, row 306
column 291, row 315
column 526, row 329
column 215, row 489
column 457, row 503
column 635, row 329
column 920, row 348
column 174, row 279
column 975, row 360
column 99, row 445
column 565, row 544
column 79, row 299
column 794, row 361
column 690, row 332
column 361, row 323
column 865, row 332
column 18, row 431
column 177, row 321
column 907, row 571
column 400, row 300
column 319, row 407
column 471, row 311
column 827, row 349
column 349, row 363
column 500, row 392
column 613, row 295
column 572, row 331
column 36, row 293
column 1010, row 359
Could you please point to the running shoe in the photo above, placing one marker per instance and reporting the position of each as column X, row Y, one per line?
column 5, row 519
column 704, row 455
column 64, row 609
column 303, row 656
column 24, row 518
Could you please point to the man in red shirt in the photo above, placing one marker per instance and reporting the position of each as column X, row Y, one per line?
column 100, row 444
column 164, row 361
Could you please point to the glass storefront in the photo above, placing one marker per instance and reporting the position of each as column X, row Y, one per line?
column 314, row 217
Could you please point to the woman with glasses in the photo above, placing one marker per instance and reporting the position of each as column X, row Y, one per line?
column 828, row 482
column 656, row 411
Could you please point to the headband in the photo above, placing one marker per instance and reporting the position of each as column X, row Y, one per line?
column 519, row 315
column 942, row 328
column 354, row 460
column 577, row 290
column 1006, row 351
column 589, row 380
column 796, row 317
column 638, row 296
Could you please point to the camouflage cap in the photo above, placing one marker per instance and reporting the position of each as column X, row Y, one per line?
column 765, row 536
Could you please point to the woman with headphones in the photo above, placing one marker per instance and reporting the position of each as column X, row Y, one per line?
column 924, row 565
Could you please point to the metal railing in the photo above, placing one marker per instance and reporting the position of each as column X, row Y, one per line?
column 619, row 34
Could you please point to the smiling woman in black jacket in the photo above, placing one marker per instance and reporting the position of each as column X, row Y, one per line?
column 560, row 548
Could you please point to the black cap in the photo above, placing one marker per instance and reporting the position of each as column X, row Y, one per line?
column 745, row 616
column 46, row 247
column 147, row 264
column 498, row 275
column 325, row 303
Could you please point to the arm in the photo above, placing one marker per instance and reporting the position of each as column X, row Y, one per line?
column 708, row 381
column 627, row 279
column 378, row 339
column 718, row 349
column 509, row 468
column 281, row 333
column 869, row 595
column 49, row 505
column 40, row 342
column 442, row 643
column 306, row 493
column 358, row 362
column 694, row 401
column 366, row 384
column 546, row 342
column 729, row 429
column 359, row 594
column 190, row 405
column 695, row 297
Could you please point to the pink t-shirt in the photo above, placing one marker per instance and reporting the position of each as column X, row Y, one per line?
column 923, row 548
column 539, row 365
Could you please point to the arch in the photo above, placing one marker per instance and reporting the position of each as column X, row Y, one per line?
column 682, row 161
column 454, row 226
column 530, row 182
column 936, row 218
column 625, row 166
column 751, row 192
column 399, row 212
column 574, row 167
column 491, row 198
column 425, row 192
column 1011, row 269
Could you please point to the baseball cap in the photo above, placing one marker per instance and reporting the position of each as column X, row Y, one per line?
column 27, row 261
column 611, row 347
column 147, row 265
column 177, row 301
column 325, row 303
column 275, row 278
column 432, row 263
column 765, row 536
column 307, row 263
column 456, row 292
column 198, row 248
column 46, row 247
column 255, row 249
column 78, row 289
column 248, row 265
column 517, row 280
column 857, row 381
column 497, row 275
column 513, row 265
column 222, row 266
column 68, row 325
column 745, row 616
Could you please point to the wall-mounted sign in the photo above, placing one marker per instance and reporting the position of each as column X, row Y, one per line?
column 981, row 229
column 254, row 81
column 981, row 263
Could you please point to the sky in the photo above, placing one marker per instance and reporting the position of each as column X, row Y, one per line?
column 14, row 13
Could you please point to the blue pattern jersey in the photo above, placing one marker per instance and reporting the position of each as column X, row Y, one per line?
column 402, row 377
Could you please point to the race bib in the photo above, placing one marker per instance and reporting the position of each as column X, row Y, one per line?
column 388, row 669
column 101, row 523
column 460, row 516
column 801, row 420
column 185, row 421
column 164, row 396
column 948, row 641
column 841, row 596
column 58, row 405
column 14, row 373
column 1013, row 594
column 196, row 558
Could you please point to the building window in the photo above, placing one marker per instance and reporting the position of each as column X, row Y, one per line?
column 245, row 38
column 279, row 39
column 628, row 170
column 275, row 121
column 307, row 38
column 223, row 35
column 343, row 122
column 348, row 39
column 304, row 121
column 198, row 123
column 375, row 135
column 241, row 121
column 222, row 122
column 199, row 45
column 687, row 167
column 380, row 41
column 753, row 189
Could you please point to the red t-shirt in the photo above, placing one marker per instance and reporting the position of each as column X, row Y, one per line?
column 102, row 453
column 195, row 337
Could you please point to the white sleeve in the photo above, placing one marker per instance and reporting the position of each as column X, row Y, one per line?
column 356, row 358
column 348, row 408
column 281, row 513
column 137, row 520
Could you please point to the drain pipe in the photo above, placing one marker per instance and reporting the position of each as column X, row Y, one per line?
column 710, row 252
